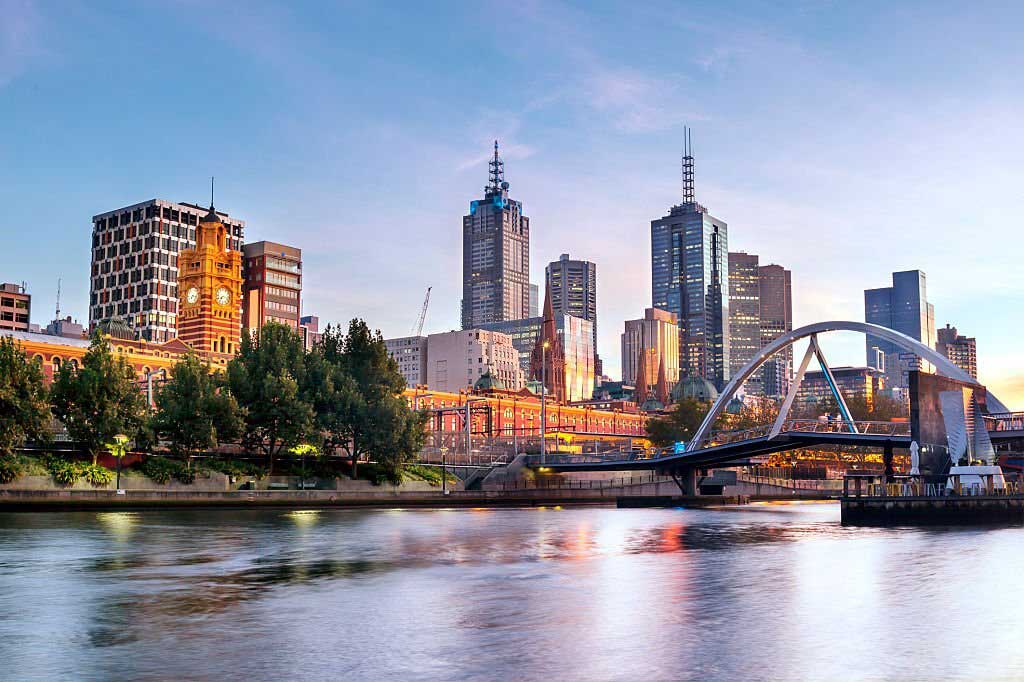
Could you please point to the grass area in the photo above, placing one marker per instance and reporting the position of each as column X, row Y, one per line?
column 432, row 475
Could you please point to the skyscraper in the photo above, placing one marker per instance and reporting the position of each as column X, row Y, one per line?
column 962, row 351
column 135, row 263
column 690, row 277
column 495, row 255
column 776, row 291
column 573, row 287
column 744, row 316
column 273, row 285
column 648, row 343
column 903, row 307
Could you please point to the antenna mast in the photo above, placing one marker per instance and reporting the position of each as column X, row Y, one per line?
column 497, row 171
column 57, row 315
column 688, row 193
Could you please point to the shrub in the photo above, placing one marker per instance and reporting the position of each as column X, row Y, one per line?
column 62, row 471
column 10, row 469
column 162, row 470
column 234, row 467
column 95, row 474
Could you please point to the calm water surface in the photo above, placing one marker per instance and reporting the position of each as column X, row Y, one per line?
column 760, row 592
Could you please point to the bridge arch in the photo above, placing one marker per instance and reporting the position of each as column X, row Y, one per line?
column 941, row 362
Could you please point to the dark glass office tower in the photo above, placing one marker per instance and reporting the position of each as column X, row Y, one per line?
column 903, row 307
column 495, row 255
column 690, row 277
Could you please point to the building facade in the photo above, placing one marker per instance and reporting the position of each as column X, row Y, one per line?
column 455, row 360
column 657, row 335
column 210, row 281
column 690, row 278
column 962, row 351
column 745, row 316
column 575, row 337
column 863, row 383
column 309, row 330
column 410, row 353
column 903, row 307
column 573, row 289
column 134, row 274
column 495, row 255
column 273, row 285
column 776, row 309
column 15, row 307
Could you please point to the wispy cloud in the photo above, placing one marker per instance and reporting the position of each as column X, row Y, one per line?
column 20, row 23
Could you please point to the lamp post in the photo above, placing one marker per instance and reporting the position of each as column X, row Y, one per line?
column 118, row 449
column 543, row 401
column 444, row 472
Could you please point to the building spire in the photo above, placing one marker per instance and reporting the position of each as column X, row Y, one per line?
column 211, row 193
column 641, row 390
column 688, row 193
column 661, row 388
column 497, row 171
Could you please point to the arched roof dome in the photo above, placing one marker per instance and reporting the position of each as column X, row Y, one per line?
column 694, row 388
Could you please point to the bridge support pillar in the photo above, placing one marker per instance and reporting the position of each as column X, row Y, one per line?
column 887, row 462
column 686, row 479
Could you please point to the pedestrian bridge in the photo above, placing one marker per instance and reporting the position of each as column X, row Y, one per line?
column 708, row 448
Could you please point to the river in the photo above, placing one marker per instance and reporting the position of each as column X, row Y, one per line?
column 780, row 592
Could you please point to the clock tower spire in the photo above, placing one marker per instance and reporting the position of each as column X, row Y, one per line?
column 210, row 292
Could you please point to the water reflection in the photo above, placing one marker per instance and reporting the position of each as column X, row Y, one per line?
column 780, row 592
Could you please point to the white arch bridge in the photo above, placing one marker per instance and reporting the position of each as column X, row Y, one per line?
column 708, row 448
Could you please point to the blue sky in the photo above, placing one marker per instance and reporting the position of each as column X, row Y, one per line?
column 842, row 140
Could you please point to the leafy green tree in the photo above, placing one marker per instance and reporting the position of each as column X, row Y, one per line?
column 679, row 424
column 264, row 378
column 98, row 400
column 357, row 391
column 194, row 412
column 24, row 411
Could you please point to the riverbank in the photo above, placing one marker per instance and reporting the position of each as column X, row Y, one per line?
column 64, row 500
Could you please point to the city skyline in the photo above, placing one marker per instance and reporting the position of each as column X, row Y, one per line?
column 603, row 163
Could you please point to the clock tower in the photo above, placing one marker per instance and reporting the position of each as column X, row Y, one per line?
column 210, row 293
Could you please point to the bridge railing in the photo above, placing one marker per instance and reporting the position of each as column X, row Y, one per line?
column 989, row 487
column 1006, row 421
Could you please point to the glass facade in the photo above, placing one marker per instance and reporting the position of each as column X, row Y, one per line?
column 902, row 307
column 690, row 277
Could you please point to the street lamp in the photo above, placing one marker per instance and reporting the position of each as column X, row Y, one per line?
column 118, row 449
column 444, row 472
column 543, row 402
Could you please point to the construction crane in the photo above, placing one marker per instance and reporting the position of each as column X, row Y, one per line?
column 418, row 329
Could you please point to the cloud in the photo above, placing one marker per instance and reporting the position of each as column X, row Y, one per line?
column 507, row 150
column 636, row 102
column 19, row 38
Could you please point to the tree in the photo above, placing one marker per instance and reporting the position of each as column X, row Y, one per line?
column 98, row 400
column 679, row 424
column 194, row 412
column 264, row 378
column 357, row 390
column 24, row 411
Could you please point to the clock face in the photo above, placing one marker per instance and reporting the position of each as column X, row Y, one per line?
column 193, row 295
column 223, row 296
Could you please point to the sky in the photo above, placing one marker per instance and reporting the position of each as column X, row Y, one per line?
column 841, row 140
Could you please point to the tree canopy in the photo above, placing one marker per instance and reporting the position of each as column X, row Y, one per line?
column 24, row 410
column 100, row 399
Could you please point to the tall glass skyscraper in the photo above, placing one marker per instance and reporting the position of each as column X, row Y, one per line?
column 495, row 255
column 690, row 277
column 903, row 307
column 572, row 285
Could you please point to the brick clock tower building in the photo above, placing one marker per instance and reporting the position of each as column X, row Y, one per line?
column 210, row 290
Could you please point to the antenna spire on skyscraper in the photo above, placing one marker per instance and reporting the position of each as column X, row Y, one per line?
column 211, row 192
column 497, row 171
column 688, row 193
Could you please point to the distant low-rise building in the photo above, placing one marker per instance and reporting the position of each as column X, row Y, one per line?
column 410, row 352
column 309, row 329
column 864, row 383
column 15, row 307
column 456, row 360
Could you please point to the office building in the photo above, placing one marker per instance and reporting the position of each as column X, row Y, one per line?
column 573, row 288
column 15, row 307
column 575, row 338
column 65, row 327
column 903, row 307
column 210, row 282
column 410, row 353
column 273, row 285
column 134, row 272
column 690, row 278
column 862, row 383
column 534, row 300
column 495, row 255
column 962, row 351
column 776, row 310
column 745, row 316
column 656, row 334
column 455, row 360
